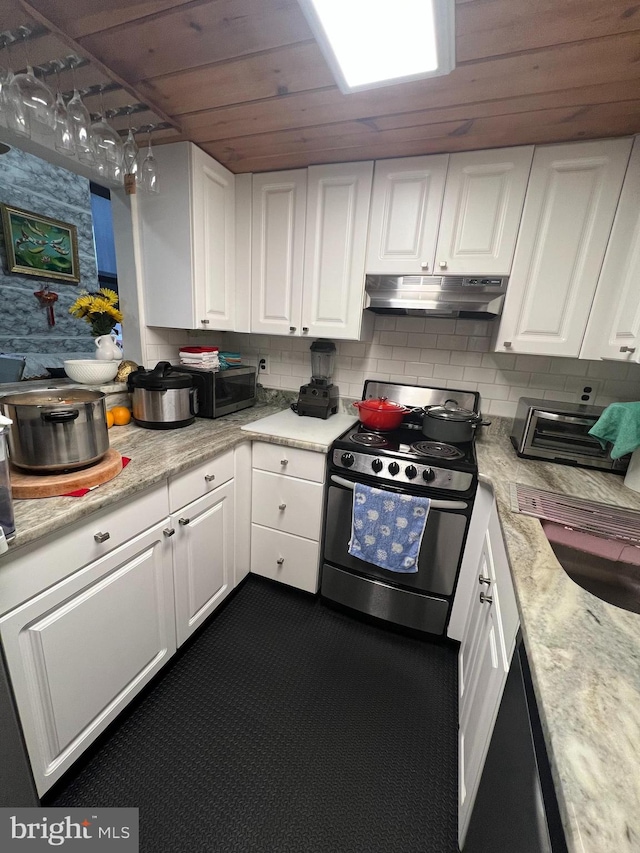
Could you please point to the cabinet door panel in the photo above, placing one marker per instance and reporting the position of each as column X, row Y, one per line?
column 286, row 503
column 213, row 242
column 405, row 211
column 80, row 651
column 204, row 557
column 483, row 202
column 614, row 324
column 277, row 256
column 568, row 213
column 336, row 236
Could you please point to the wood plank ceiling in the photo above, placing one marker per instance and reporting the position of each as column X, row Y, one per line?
column 245, row 80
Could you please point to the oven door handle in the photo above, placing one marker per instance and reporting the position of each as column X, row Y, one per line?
column 435, row 504
column 564, row 419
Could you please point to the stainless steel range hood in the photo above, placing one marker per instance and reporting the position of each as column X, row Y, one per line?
column 481, row 297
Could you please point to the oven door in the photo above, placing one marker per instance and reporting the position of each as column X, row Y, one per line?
column 440, row 554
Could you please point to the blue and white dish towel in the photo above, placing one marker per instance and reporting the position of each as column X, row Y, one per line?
column 387, row 528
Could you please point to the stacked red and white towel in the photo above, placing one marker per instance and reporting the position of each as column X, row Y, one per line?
column 205, row 358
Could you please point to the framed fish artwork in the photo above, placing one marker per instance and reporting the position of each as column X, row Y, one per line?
column 40, row 246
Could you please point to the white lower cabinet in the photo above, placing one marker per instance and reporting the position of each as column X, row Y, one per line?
column 78, row 652
column 203, row 557
column 286, row 515
column 483, row 663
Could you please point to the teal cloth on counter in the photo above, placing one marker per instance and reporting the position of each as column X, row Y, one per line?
column 619, row 424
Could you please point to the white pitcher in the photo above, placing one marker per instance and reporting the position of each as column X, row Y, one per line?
column 107, row 348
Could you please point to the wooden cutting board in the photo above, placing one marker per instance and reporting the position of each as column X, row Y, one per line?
column 25, row 486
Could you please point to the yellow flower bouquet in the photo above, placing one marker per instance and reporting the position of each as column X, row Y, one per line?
column 98, row 309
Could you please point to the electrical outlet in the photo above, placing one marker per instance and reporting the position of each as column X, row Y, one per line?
column 263, row 365
column 586, row 391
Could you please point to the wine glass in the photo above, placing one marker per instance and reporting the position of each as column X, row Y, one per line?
column 130, row 151
column 80, row 122
column 11, row 105
column 108, row 146
column 149, row 170
column 37, row 97
column 64, row 140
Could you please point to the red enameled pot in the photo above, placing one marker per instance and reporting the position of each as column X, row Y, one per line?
column 380, row 414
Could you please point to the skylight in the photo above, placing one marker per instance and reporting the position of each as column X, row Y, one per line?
column 371, row 43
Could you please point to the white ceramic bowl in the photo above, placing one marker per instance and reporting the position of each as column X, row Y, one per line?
column 91, row 371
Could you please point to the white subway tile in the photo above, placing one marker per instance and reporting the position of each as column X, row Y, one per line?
column 153, row 353
column 575, row 384
column 501, row 360
column 447, row 371
column 467, row 359
column 435, row 356
column 395, row 366
column 604, row 400
column 410, row 324
column 300, row 344
column 169, row 353
column 547, row 380
column 353, row 348
column 461, row 385
column 406, row 354
column 623, row 391
column 456, row 342
column 270, row 381
column 474, row 327
column 515, row 393
column 607, row 370
column 353, row 390
column 388, row 324
column 493, row 392
column 364, row 364
column 348, row 375
column 422, row 340
column 477, row 344
column 560, row 396
column 280, row 368
column 401, row 377
column 393, row 339
column 501, row 409
column 439, row 326
column 293, row 357
column 378, row 351
column 569, row 366
column 479, row 374
column 378, row 377
column 279, row 342
column 533, row 363
column 419, row 368
column 511, row 377
column 303, row 371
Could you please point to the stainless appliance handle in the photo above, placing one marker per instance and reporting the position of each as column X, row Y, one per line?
column 565, row 419
column 435, row 504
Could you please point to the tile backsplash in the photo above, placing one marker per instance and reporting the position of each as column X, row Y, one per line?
column 425, row 351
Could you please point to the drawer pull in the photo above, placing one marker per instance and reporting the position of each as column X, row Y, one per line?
column 282, row 507
column 284, row 462
column 209, row 478
column 630, row 350
column 292, row 328
column 486, row 599
column 101, row 537
column 184, row 521
column 280, row 561
column 168, row 531
column 482, row 580
column 305, row 328
column 204, row 322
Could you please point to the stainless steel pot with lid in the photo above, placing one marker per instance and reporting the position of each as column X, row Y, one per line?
column 163, row 398
column 56, row 430
column 450, row 423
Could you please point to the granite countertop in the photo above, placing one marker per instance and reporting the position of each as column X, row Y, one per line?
column 584, row 656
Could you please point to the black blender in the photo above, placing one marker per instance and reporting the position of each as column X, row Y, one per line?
column 319, row 398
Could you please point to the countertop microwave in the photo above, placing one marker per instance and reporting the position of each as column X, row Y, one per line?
column 224, row 391
column 559, row 432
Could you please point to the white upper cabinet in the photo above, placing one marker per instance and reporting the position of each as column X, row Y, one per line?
column 309, row 234
column 613, row 331
column 483, row 201
column 405, row 212
column 338, row 198
column 568, row 213
column 277, row 251
column 187, row 242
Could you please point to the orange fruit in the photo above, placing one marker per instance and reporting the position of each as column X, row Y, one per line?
column 110, row 420
column 121, row 415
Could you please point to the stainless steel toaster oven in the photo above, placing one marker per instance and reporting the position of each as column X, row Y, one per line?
column 559, row 432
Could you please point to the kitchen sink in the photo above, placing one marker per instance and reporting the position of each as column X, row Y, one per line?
column 598, row 545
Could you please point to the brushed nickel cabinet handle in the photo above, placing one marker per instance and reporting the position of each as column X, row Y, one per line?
column 184, row 521
column 204, row 322
column 209, row 478
column 486, row 599
column 424, row 266
column 292, row 328
column 284, row 462
column 443, row 265
column 280, row 561
column 628, row 349
column 482, row 580
column 168, row 531
column 282, row 507
column 101, row 537
column 507, row 344
column 305, row 328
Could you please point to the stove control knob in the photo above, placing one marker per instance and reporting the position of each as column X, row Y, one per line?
column 347, row 459
column 411, row 471
column 377, row 465
column 394, row 468
column 428, row 475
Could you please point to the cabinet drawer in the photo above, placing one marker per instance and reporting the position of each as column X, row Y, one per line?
column 286, row 503
column 286, row 558
column 278, row 459
column 54, row 557
column 199, row 481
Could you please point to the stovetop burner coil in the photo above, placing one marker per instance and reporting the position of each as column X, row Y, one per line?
column 370, row 439
column 437, row 450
